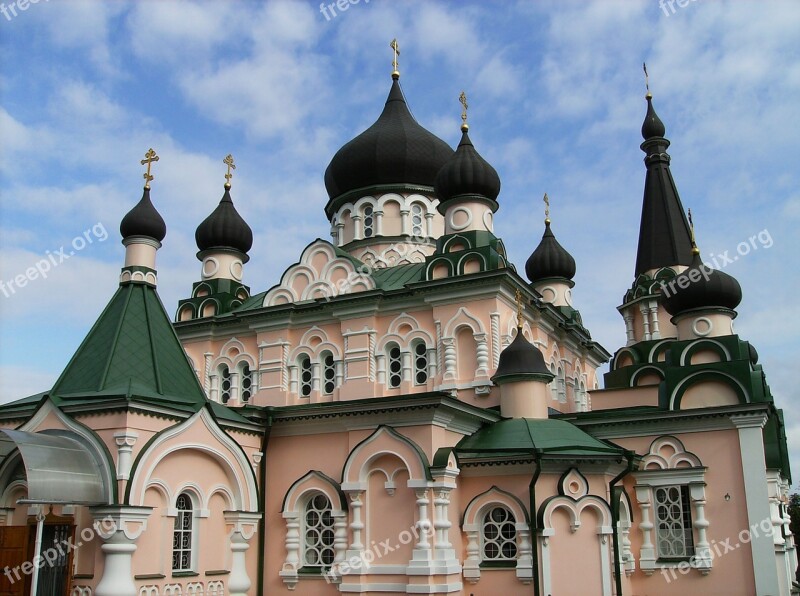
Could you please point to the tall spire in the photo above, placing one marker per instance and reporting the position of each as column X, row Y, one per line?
column 664, row 236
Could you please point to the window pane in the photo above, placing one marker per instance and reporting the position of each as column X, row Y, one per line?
column 499, row 535
column 319, row 533
column 673, row 522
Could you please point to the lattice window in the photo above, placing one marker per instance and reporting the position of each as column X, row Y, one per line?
column 499, row 533
column 328, row 373
column 182, row 534
column 420, row 363
column 224, row 383
column 319, row 551
column 368, row 222
column 673, row 522
column 416, row 220
column 247, row 382
column 304, row 363
column 395, row 366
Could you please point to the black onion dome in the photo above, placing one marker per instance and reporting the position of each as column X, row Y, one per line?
column 550, row 259
column 753, row 353
column 652, row 125
column 467, row 173
column 394, row 150
column 224, row 228
column 143, row 220
column 704, row 288
column 521, row 359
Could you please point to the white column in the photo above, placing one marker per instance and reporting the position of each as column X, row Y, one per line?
column 243, row 526
column 422, row 549
column 472, row 564
column 654, row 319
column 751, row 445
column 315, row 376
column 235, row 395
column 645, row 320
column 482, row 354
column 119, row 528
column 292, row 563
column 404, row 222
column 378, row 222
column 629, row 333
column 293, row 385
column 358, row 232
column 380, row 362
column 339, row 233
column 702, row 552
column 525, row 558
column 406, row 360
column 429, row 225
column 449, row 344
column 214, row 393
column 356, row 525
column 496, row 349
column 125, row 441
column 433, row 370
column 647, row 553
column 207, row 372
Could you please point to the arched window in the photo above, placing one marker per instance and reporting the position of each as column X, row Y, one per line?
column 318, row 546
column 554, row 382
column 304, row 363
column 420, row 354
column 182, row 537
column 368, row 222
column 246, row 382
column 499, row 535
column 224, row 383
column 328, row 373
column 416, row 220
column 395, row 365
column 562, row 385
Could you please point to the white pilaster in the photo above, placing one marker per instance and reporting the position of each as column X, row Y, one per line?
column 119, row 528
column 243, row 526
column 125, row 441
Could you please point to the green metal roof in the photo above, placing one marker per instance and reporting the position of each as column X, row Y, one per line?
column 544, row 436
column 131, row 351
column 395, row 278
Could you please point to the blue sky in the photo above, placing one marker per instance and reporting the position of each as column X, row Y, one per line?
column 556, row 103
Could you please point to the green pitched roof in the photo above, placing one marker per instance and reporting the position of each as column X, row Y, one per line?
column 131, row 351
column 545, row 436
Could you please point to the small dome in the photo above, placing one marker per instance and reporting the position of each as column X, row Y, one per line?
column 394, row 150
column 224, row 228
column 753, row 353
column 466, row 174
column 652, row 126
column 550, row 259
column 704, row 288
column 143, row 220
column 521, row 360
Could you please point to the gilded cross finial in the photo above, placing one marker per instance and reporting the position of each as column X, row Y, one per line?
column 149, row 158
column 463, row 100
column 518, row 298
column 695, row 250
column 228, row 161
column 646, row 79
column 546, row 200
column 396, row 47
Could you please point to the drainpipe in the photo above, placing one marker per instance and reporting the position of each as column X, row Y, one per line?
column 37, row 551
column 535, row 521
column 629, row 455
column 262, row 527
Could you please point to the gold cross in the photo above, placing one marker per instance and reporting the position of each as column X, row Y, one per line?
column 149, row 158
column 463, row 100
column 394, row 45
column 695, row 251
column 228, row 161
column 646, row 78
column 546, row 200
column 518, row 297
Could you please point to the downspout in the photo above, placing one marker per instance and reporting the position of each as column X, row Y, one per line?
column 262, row 527
column 535, row 521
column 37, row 551
column 615, row 519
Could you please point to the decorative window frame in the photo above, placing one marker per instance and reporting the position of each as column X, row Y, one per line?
column 472, row 526
column 198, row 512
column 293, row 512
column 668, row 463
column 406, row 341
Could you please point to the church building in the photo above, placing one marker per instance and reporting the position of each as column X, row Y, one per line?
column 404, row 411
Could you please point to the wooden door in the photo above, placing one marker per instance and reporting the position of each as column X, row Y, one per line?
column 13, row 553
